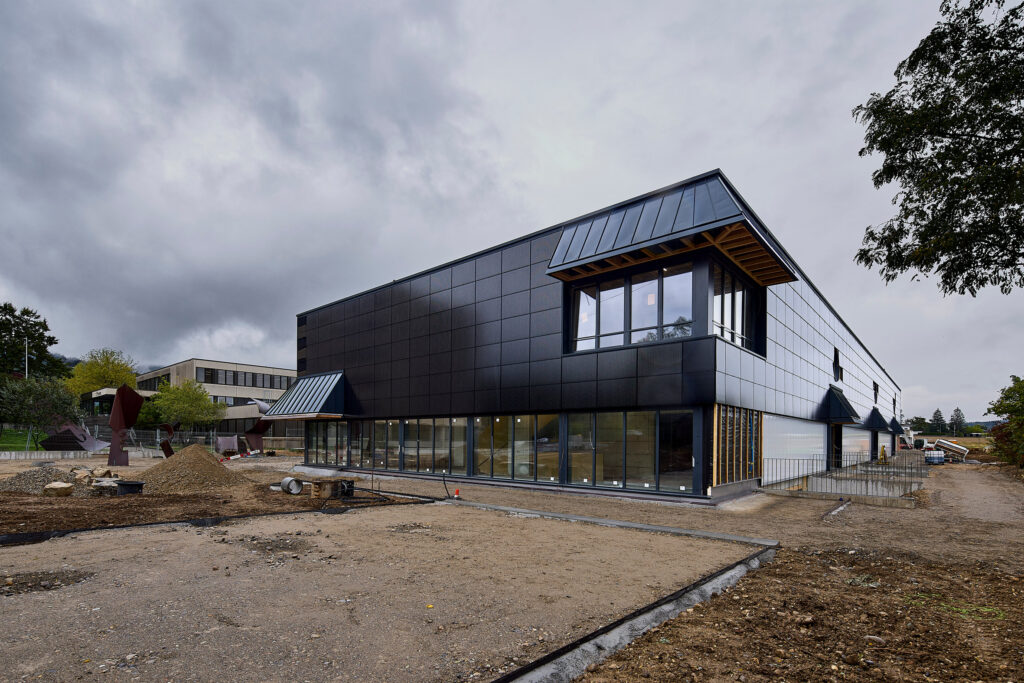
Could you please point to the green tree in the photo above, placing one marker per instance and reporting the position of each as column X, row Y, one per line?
column 188, row 404
column 918, row 424
column 19, row 325
column 149, row 415
column 38, row 403
column 951, row 134
column 957, row 421
column 938, row 423
column 1009, row 436
column 102, row 368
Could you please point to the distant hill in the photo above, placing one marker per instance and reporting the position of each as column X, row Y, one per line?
column 987, row 424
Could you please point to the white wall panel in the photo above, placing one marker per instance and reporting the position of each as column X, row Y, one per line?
column 791, row 448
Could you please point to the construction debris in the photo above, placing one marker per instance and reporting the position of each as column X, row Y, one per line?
column 33, row 481
column 58, row 489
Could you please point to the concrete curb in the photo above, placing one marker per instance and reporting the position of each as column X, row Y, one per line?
column 572, row 660
column 696, row 533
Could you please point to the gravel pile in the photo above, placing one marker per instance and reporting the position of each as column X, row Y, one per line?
column 190, row 470
column 33, row 481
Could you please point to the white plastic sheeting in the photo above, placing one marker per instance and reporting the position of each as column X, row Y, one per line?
column 792, row 448
column 856, row 445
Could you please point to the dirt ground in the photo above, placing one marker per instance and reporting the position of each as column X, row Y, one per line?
column 433, row 592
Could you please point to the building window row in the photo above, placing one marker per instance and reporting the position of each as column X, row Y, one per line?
column 238, row 378
column 635, row 309
column 153, row 383
column 734, row 309
column 644, row 450
column 238, row 400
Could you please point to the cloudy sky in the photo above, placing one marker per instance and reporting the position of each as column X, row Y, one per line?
column 180, row 179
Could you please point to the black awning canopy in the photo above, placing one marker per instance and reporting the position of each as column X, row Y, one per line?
column 896, row 427
column 875, row 422
column 311, row 397
column 836, row 408
column 694, row 214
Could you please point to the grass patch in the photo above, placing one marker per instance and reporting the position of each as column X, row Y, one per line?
column 14, row 440
column 961, row 608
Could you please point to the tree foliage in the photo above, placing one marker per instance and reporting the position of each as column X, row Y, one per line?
column 951, row 133
column 102, row 368
column 918, row 424
column 957, row 421
column 938, row 423
column 37, row 402
column 188, row 404
column 17, row 325
column 1008, row 437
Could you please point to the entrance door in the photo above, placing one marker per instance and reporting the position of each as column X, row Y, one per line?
column 836, row 461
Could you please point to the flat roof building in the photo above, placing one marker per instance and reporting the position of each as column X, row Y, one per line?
column 667, row 344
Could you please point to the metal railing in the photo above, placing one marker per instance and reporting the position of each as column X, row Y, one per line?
column 849, row 473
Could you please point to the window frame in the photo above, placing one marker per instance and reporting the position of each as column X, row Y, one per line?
column 626, row 329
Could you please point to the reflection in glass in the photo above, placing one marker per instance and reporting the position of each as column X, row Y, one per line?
column 581, row 449
column 426, row 463
column 640, row 450
column 482, row 446
column 393, row 445
column 522, row 467
column 459, row 442
column 644, row 307
column 331, row 443
column 678, row 306
column 410, row 446
column 584, row 315
column 442, row 445
column 366, row 442
column 502, row 447
column 675, row 450
column 547, row 448
column 380, row 444
column 612, row 305
column 609, row 449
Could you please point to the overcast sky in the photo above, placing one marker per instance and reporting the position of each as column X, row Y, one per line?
column 180, row 179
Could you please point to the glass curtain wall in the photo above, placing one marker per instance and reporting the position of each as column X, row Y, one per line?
column 523, row 448
column 547, row 448
column 609, row 450
column 460, row 444
column 675, row 450
column 501, row 453
column 482, row 431
column 426, row 462
column 394, row 450
column 640, row 441
column 442, row 446
column 581, row 448
column 410, row 445
column 734, row 308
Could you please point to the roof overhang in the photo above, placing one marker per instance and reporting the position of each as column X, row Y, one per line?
column 836, row 407
column 310, row 398
column 876, row 422
column 696, row 214
column 896, row 427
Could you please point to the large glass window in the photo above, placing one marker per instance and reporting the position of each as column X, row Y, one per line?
column 332, row 443
column 611, row 304
column 343, row 444
column 502, row 447
column 609, row 449
column 523, row 447
column 482, row 446
column 459, row 444
column 426, row 462
column 442, row 446
column 380, row 444
column 584, row 314
column 410, row 446
column 393, row 445
column 675, row 450
column 547, row 448
column 640, row 440
column 640, row 308
column 734, row 308
column 581, row 449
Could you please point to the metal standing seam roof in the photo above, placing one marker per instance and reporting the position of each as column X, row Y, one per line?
column 695, row 214
column 311, row 396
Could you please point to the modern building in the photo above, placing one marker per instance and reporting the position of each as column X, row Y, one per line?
column 233, row 384
column 667, row 344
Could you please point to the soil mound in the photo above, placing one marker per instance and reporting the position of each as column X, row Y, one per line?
column 189, row 470
column 33, row 481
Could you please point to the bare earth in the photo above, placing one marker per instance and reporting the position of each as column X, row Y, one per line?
column 411, row 593
column 939, row 585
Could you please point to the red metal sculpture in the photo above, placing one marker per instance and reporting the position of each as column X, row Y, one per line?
column 123, row 414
